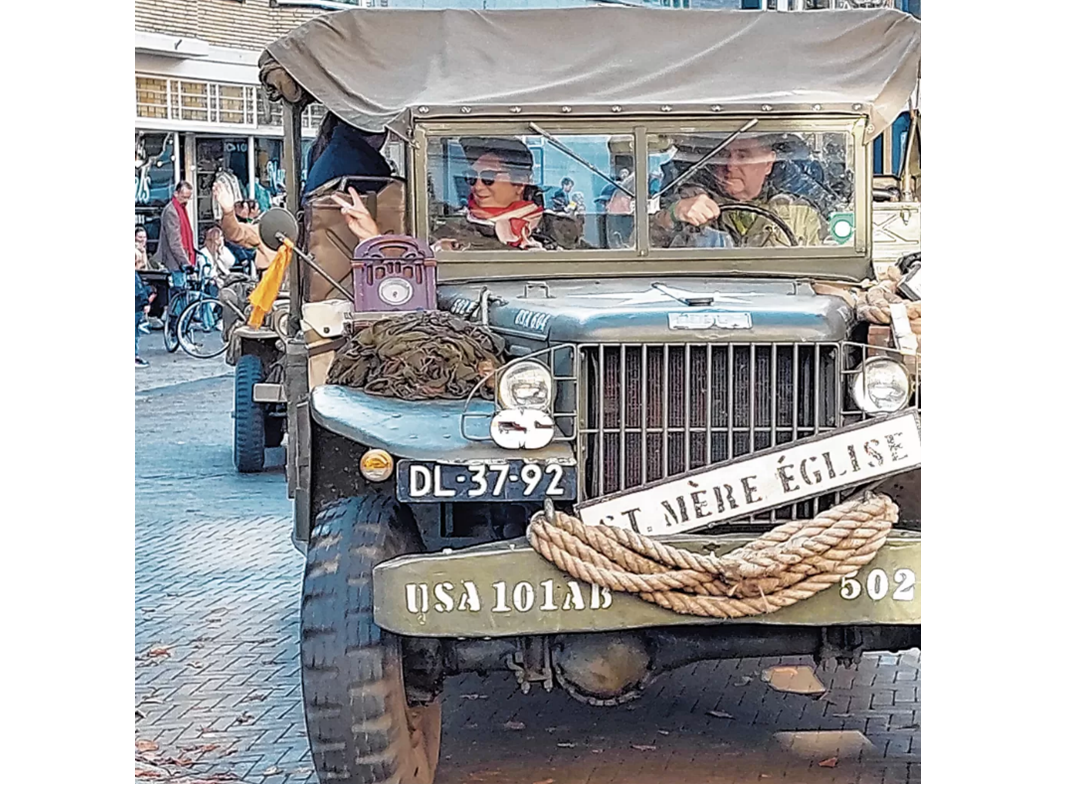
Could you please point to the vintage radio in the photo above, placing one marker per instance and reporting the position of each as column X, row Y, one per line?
column 393, row 273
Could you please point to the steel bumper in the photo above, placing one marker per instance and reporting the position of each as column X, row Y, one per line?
column 506, row 589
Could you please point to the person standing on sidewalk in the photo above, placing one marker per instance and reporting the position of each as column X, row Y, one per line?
column 176, row 247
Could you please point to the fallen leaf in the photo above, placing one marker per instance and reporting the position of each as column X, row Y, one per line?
column 159, row 652
column 243, row 718
column 515, row 725
column 719, row 714
column 149, row 774
column 567, row 744
column 470, row 695
column 665, row 732
column 546, row 780
column 827, row 762
column 254, row 697
column 142, row 746
column 271, row 771
column 551, row 729
column 195, row 664
column 643, row 747
column 597, row 750
column 202, row 748
column 743, row 681
column 182, row 761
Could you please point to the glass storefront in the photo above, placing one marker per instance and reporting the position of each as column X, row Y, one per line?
column 212, row 155
column 159, row 165
column 155, row 171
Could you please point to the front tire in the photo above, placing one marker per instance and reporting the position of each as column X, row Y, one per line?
column 204, row 315
column 249, row 417
column 360, row 724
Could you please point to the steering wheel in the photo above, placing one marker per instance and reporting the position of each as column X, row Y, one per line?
column 745, row 207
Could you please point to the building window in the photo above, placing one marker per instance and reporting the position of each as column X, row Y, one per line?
column 155, row 158
column 200, row 102
column 192, row 100
column 213, row 154
column 232, row 105
column 269, row 173
column 151, row 97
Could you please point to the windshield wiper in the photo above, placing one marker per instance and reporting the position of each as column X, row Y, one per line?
column 560, row 146
column 704, row 160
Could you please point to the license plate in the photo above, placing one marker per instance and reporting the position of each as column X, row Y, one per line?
column 514, row 480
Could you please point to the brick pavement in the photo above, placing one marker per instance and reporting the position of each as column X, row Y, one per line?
column 173, row 368
column 217, row 587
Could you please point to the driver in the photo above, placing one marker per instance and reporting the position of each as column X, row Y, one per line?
column 740, row 173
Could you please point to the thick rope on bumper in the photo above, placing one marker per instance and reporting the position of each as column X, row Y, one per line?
column 791, row 562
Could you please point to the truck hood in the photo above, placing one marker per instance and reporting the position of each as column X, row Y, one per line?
column 646, row 310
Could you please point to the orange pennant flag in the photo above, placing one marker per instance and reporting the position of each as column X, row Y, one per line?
column 263, row 297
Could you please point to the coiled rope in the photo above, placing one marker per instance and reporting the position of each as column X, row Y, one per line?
column 791, row 562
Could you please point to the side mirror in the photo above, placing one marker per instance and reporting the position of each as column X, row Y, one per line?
column 275, row 222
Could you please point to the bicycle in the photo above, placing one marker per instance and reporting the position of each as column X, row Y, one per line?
column 195, row 283
column 205, row 315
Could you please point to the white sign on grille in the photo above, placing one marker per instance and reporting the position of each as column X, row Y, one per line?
column 781, row 476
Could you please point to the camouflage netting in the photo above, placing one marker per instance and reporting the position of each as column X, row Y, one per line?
column 417, row 356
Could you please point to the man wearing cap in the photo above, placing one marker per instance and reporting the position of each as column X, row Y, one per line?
column 740, row 173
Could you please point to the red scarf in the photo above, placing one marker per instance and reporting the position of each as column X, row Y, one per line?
column 187, row 237
column 513, row 224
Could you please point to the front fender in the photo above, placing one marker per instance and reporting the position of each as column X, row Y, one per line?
column 420, row 430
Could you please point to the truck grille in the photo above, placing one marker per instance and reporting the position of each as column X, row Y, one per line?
column 652, row 411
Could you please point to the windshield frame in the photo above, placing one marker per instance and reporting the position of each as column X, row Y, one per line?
column 843, row 263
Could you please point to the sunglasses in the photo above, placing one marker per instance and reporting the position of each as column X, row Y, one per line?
column 486, row 176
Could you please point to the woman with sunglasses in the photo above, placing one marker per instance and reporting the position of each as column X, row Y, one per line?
column 503, row 209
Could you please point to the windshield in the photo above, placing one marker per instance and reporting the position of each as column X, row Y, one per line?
column 750, row 184
column 760, row 190
column 561, row 192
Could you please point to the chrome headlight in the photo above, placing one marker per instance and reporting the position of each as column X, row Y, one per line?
column 881, row 385
column 526, row 385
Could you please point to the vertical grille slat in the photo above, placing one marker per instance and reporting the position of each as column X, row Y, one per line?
column 654, row 411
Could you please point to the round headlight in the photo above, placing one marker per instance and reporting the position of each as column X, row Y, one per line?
column 881, row 385
column 526, row 385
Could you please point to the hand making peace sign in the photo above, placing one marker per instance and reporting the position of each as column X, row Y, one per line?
column 359, row 219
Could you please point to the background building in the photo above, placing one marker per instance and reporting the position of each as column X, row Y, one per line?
column 198, row 103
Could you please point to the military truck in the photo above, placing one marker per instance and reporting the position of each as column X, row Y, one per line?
column 684, row 361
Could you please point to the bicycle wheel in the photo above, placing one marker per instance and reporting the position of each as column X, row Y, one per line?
column 200, row 329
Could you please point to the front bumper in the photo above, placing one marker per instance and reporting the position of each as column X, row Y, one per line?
column 506, row 589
